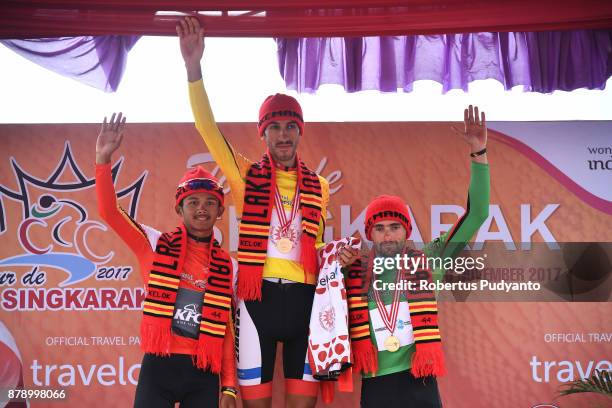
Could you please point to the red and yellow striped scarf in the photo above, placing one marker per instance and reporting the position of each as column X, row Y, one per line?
column 255, row 223
column 164, row 278
column 428, row 359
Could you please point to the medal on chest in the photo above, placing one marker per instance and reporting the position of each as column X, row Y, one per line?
column 391, row 343
column 284, row 236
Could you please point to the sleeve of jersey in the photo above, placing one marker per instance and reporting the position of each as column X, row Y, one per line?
column 233, row 165
column 228, row 363
column 115, row 217
column 325, row 202
column 477, row 211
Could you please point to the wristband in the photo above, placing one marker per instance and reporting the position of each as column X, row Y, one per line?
column 229, row 391
column 478, row 153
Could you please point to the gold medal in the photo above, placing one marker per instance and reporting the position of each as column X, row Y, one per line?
column 284, row 245
column 392, row 344
column 284, row 235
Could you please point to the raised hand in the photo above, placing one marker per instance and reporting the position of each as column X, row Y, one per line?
column 191, row 36
column 474, row 129
column 109, row 138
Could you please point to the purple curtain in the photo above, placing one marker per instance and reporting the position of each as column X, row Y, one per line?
column 540, row 61
column 95, row 61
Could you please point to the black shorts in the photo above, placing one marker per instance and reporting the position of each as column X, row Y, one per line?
column 400, row 390
column 163, row 381
column 283, row 315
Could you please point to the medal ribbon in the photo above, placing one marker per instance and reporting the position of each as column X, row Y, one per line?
column 280, row 209
column 390, row 320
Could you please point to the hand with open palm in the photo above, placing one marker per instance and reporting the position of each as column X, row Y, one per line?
column 474, row 130
column 109, row 138
column 191, row 36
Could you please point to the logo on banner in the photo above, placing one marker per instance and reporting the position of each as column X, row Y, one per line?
column 48, row 218
column 602, row 157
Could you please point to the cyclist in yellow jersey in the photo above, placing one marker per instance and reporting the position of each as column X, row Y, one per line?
column 282, row 205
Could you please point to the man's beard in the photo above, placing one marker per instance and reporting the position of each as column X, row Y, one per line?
column 389, row 248
column 279, row 156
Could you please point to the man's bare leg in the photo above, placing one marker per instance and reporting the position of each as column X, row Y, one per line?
column 258, row 403
column 299, row 401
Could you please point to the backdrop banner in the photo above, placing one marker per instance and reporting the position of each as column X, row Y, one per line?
column 71, row 294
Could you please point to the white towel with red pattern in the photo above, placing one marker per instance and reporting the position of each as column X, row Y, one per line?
column 329, row 351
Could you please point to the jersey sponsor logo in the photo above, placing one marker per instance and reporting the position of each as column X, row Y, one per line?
column 327, row 317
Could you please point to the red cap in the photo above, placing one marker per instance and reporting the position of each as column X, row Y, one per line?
column 279, row 107
column 198, row 180
column 386, row 207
